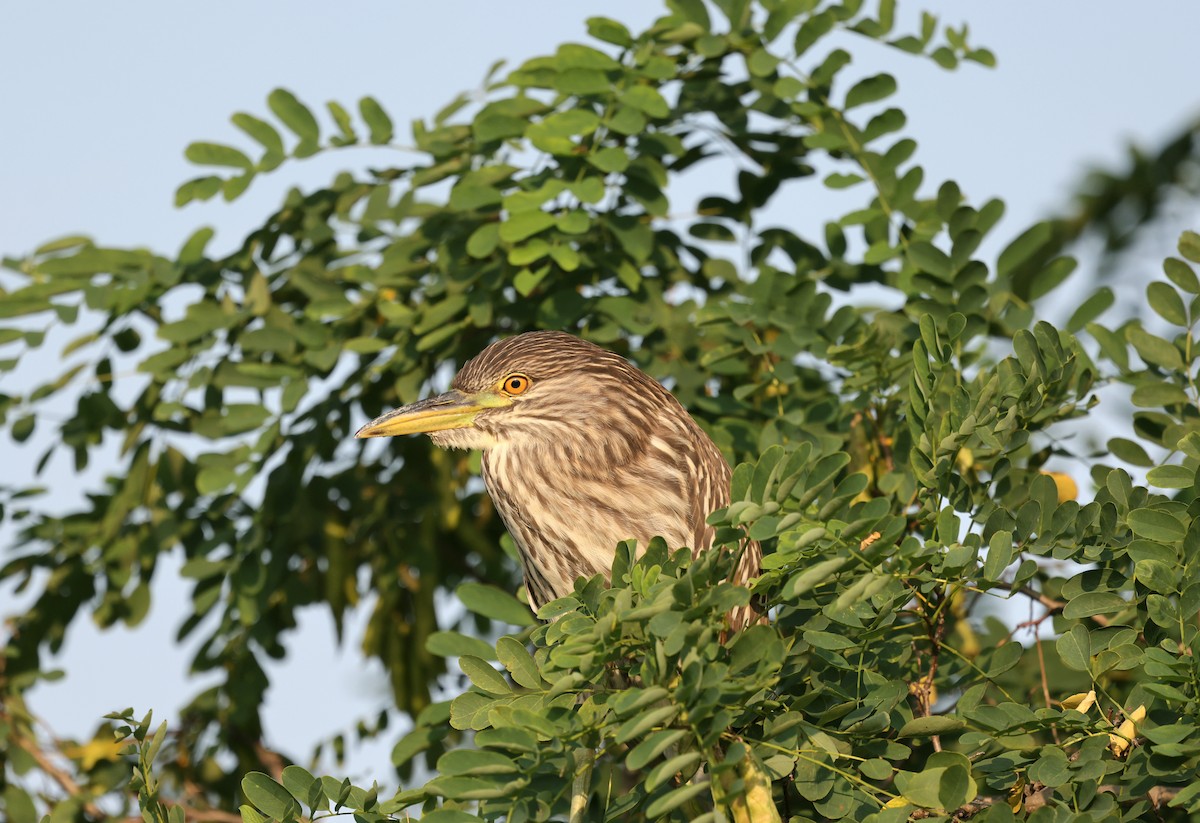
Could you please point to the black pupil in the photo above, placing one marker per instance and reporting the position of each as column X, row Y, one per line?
column 515, row 384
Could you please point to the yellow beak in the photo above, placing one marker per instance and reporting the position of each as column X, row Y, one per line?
column 452, row 410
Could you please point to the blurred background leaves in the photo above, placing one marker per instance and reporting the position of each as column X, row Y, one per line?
column 913, row 454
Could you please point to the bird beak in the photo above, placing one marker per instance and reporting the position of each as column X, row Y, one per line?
column 452, row 410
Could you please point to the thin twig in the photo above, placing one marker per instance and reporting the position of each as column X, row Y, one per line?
column 1055, row 606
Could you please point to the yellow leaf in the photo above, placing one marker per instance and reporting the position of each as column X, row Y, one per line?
column 968, row 642
column 1016, row 795
column 93, row 752
column 965, row 459
column 1120, row 741
column 1081, row 702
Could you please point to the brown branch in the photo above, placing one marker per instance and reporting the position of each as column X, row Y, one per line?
column 56, row 773
column 271, row 760
column 1055, row 606
column 923, row 688
column 1045, row 685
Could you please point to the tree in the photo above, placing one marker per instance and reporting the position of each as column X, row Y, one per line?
column 894, row 461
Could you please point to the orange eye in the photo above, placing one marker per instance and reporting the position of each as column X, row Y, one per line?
column 516, row 384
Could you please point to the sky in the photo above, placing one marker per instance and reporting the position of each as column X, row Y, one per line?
column 98, row 102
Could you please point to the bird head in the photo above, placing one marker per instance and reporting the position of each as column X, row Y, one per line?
column 537, row 387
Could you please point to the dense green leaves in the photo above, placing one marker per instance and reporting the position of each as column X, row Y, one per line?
column 910, row 471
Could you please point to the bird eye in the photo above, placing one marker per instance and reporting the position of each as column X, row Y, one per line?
column 515, row 384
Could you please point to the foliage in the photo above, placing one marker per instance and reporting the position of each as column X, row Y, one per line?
column 895, row 461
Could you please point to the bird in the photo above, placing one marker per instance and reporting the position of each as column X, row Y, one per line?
column 580, row 450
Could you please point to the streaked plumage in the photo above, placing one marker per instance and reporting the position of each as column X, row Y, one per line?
column 588, row 452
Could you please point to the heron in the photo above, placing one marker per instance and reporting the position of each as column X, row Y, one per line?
column 581, row 450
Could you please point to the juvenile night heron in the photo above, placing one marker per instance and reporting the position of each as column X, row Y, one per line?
column 581, row 450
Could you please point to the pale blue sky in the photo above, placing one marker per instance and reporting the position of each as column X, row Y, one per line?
column 97, row 102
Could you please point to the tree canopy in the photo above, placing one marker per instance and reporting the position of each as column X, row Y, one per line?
column 915, row 446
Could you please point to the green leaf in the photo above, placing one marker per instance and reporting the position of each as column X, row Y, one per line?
column 341, row 119
column 761, row 63
column 234, row 187
column 1129, row 451
column 215, row 154
column 201, row 188
column 1004, row 658
column 610, row 159
column 470, row 711
column 454, row 644
column 18, row 805
column 639, row 724
column 1156, row 525
column 1181, row 274
column 838, row 180
column 929, row 258
column 525, row 224
column 666, row 770
column 1050, row 276
column 676, row 798
column 449, row 816
column 1167, row 303
column 1158, row 394
column 473, row 762
column 646, row 99
column 1163, row 611
column 571, row 123
column 526, row 280
column 377, row 120
column 510, row 738
column 931, row 788
column 1075, row 648
column 519, row 662
column 260, row 131
column 583, row 82
column 574, row 222
column 484, row 240
column 1189, row 246
column 484, row 676
column 1172, row 477
column 489, row 601
column 870, row 90
column 295, row 115
column 1090, row 603
column 578, row 56
column 299, row 783
column 627, row 120
column 1090, row 309
column 610, row 31
column 269, row 797
column 929, row 726
column 1156, row 576
column 1154, row 350
column 23, row 428
column 812, row 30
column 655, row 744
column 527, row 253
column 490, row 126
column 999, row 555
column 1023, row 248
column 828, row 640
column 214, row 479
